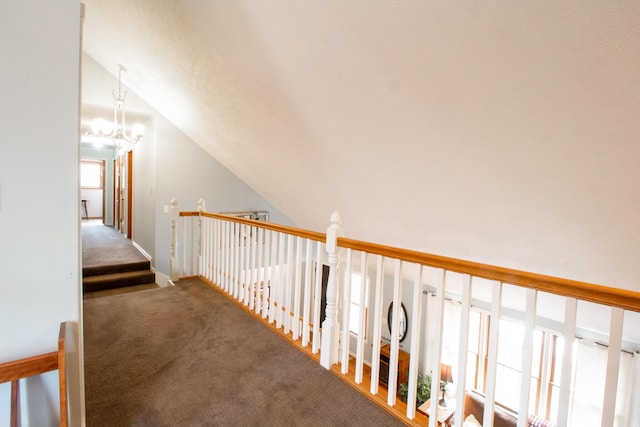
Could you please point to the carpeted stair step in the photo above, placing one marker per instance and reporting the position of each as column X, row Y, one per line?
column 115, row 268
column 117, row 280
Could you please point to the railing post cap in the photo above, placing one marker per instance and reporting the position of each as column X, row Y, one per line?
column 333, row 232
column 174, row 202
column 202, row 205
column 335, row 218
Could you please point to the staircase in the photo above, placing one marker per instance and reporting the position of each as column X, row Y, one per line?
column 111, row 261
column 104, row 277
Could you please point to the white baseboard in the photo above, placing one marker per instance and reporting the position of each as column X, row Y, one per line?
column 142, row 251
column 163, row 280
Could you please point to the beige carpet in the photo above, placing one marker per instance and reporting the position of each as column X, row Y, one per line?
column 187, row 356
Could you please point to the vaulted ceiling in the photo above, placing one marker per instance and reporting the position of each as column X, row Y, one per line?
column 471, row 130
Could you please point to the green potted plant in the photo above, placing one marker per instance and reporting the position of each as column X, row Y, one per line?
column 423, row 392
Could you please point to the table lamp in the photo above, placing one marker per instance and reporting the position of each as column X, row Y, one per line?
column 445, row 377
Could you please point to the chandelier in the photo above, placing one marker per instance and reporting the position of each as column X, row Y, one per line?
column 123, row 139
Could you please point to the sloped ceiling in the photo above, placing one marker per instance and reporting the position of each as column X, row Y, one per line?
column 479, row 131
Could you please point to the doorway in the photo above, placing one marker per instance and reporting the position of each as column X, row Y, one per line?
column 92, row 192
column 123, row 193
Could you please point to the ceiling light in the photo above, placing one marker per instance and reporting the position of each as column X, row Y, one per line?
column 116, row 131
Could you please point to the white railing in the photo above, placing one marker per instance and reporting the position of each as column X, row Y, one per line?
column 277, row 272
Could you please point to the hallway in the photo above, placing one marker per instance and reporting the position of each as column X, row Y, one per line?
column 111, row 264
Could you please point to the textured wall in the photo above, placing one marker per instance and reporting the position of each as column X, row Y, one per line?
column 499, row 132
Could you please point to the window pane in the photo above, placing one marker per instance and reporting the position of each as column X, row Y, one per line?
column 508, row 387
column 533, row 396
column 90, row 175
column 538, row 340
column 474, row 331
column 356, row 292
column 354, row 319
column 510, row 344
column 472, row 370
column 356, row 286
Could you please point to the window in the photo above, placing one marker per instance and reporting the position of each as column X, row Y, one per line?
column 508, row 369
column 357, row 288
column 557, row 346
column 473, row 356
column 90, row 174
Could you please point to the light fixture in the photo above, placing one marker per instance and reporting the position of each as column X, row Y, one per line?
column 123, row 139
column 445, row 377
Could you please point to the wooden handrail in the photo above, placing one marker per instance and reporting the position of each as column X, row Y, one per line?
column 615, row 297
column 15, row 370
column 307, row 234
column 29, row 366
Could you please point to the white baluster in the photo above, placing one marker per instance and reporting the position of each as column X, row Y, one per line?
column 437, row 347
column 227, row 257
column 297, row 289
column 244, row 265
column 185, row 245
column 492, row 365
column 260, row 282
column 416, row 315
column 569, row 336
column 208, row 248
column 306, row 307
column 266, row 274
column 255, row 269
column 174, row 265
column 201, row 209
column 191, row 246
column 377, row 327
column 346, row 316
column 236, row 260
column 613, row 366
column 220, row 266
column 317, row 300
column 364, row 285
column 330, row 326
column 392, row 383
column 281, row 277
column 527, row 356
column 248, row 275
column 463, row 343
column 274, row 277
column 288, row 286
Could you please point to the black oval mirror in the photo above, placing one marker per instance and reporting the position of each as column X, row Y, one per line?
column 404, row 321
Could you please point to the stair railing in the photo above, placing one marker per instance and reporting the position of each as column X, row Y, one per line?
column 279, row 273
column 16, row 370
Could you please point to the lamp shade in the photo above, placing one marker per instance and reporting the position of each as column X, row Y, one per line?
column 445, row 373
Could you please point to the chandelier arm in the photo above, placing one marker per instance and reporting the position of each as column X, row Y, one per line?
column 118, row 133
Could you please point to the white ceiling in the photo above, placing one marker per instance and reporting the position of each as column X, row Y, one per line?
column 481, row 131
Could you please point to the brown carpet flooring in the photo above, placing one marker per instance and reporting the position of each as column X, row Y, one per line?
column 188, row 356
column 103, row 245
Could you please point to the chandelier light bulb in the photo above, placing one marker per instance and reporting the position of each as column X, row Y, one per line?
column 116, row 130
column 137, row 131
column 96, row 126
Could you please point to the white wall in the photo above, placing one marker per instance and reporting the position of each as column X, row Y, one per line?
column 39, row 193
column 504, row 133
column 168, row 164
column 186, row 172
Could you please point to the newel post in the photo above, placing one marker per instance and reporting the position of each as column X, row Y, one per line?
column 174, row 268
column 330, row 326
column 201, row 208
